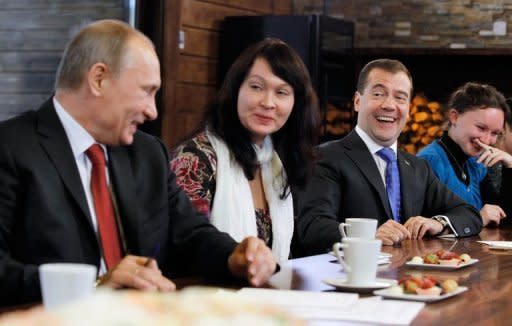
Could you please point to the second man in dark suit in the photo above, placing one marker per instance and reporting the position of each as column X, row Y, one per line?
column 354, row 178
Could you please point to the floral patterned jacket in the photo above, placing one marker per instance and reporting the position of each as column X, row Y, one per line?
column 195, row 163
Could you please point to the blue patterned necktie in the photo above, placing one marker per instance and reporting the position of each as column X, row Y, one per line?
column 392, row 180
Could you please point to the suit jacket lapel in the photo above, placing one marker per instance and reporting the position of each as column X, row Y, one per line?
column 406, row 179
column 363, row 159
column 55, row 142
column 123, row 185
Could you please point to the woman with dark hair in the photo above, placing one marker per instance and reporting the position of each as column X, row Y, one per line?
column 255, row 148
column 462, row 156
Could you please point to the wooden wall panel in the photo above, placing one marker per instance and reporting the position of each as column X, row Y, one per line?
column 282, row 7
column 201, row 42
column 193, row 98
column 184, row 125
column 196, row 70
column 192, row 123
column 177, row 127
column 264, row 6
column 206, row 15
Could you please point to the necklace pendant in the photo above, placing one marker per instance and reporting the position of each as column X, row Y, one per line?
column 464, row 177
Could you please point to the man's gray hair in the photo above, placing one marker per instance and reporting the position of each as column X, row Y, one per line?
column 102, row 41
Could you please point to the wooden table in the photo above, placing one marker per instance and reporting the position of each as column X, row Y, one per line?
column 488, row 300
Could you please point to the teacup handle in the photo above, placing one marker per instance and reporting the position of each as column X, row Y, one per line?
column 342, row 229
column 337, row 248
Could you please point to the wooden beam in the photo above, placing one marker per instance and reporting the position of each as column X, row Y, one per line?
column 169, row 66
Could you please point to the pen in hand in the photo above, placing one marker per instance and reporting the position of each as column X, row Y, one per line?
column 155, row 252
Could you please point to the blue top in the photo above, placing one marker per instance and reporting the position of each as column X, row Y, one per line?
column 440, row 163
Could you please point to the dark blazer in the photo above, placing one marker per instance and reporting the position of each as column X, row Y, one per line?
column 347, row 183
column 44, row 215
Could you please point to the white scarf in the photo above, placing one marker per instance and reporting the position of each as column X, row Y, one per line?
column 233, row 208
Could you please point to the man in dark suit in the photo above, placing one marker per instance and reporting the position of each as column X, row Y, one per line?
column 50, row 207
column 352, row 178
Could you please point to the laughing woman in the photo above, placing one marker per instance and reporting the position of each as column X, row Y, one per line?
column 256, row 147
column 462, row 156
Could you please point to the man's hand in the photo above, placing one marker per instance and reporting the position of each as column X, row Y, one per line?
column 418, row 226
column 492, row 214
column 137, row 273
column 253, row 260
column 392, row 232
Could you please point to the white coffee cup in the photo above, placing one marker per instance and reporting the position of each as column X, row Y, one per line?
column 64, row 282
column 359, row 259
column 358, row 228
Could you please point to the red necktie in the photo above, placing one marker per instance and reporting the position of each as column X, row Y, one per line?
column 104, row 208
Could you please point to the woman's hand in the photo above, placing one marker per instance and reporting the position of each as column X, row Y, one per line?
column 492, row 155
column 492, row 213
column 252, row 260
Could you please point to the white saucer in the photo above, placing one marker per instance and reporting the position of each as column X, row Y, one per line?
column 341, row 284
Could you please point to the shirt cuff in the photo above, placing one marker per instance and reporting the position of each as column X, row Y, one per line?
column 448, row 224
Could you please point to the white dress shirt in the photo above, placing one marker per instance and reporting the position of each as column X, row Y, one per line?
column 373, row 147
column 80, row 140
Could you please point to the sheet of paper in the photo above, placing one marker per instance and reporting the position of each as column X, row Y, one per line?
column 301, row 299
column 505, row 245
column 319, row 307
column 371, row 310
column 310, row 270
column 379, row 311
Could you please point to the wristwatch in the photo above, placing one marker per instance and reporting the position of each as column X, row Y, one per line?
column 441, row 220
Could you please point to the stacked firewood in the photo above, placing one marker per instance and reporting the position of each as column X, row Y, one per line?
column 425, row 124
column 338, row 122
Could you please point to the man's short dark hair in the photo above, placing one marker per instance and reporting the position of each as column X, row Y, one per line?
column 389, row 65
